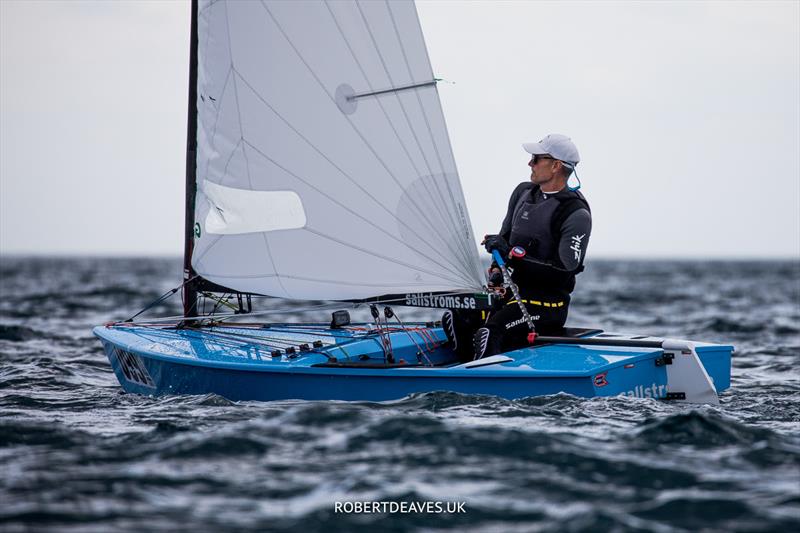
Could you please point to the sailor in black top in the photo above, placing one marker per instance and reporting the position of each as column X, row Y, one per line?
column 552, row 223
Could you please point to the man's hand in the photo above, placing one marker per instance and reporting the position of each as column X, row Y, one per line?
column 495, row 283
column 496, row 242
column 495, row 278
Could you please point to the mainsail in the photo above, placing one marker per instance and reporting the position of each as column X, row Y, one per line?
column 323, row 165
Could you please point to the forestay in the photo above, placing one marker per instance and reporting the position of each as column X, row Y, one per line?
column 324, row 168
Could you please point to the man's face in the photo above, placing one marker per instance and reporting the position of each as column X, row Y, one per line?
column 543, row 168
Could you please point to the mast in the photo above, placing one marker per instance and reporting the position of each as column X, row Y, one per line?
column 189, row 289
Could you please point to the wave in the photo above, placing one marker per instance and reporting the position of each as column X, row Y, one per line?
column 18, row 333
column 702, row 429
column 80, row 454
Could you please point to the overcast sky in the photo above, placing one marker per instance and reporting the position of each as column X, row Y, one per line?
column 686, row 114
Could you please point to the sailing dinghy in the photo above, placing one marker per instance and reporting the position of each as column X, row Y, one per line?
column 319, row 168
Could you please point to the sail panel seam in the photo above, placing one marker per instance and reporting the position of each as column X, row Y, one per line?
column 336, row 281
column 244, row 154
column 460, row 240
column 474, row 260
column 199, row 258
column 453, row 215
column 356, row 214
column 210, row 4
column 355, row 129
column 212, row 139
column 430, row 223
column 343, row 173
column 405, row 114
column 380, row 256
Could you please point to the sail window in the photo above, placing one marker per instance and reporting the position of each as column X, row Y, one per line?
column 236, row 211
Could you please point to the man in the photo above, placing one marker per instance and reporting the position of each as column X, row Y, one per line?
column 552, row 223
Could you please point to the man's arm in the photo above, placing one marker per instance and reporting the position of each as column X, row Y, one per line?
column 574, row 239
column 571, row 250
column 505, row 229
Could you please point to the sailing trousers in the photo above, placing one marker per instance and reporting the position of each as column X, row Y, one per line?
column 484, row 333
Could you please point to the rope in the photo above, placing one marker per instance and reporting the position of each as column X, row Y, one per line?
column 420, row 351
column 162, row 298
column 287, row 310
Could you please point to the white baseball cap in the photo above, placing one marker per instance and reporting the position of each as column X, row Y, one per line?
column 559, row 146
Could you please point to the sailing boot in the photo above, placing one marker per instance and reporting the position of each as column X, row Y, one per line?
column 449, row 327
column 486, row 342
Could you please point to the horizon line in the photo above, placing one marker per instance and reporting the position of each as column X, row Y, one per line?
column 601, row 257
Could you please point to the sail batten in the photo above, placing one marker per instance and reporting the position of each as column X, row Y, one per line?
column 373, row 177
column 392, row 90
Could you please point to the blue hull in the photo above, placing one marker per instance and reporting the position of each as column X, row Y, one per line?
column 242, row 364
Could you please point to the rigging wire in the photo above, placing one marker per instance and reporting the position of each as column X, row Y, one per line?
column 296, row 335
column 162, row 298
column 388, row 312
column 290, row 310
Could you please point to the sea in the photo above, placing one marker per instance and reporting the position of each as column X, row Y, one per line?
column 79, row 454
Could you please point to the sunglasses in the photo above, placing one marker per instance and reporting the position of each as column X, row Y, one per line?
column 538, row 157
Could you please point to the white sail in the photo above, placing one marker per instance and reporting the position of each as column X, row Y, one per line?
column 309, row 185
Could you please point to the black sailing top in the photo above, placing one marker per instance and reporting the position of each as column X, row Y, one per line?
column 554, row 229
